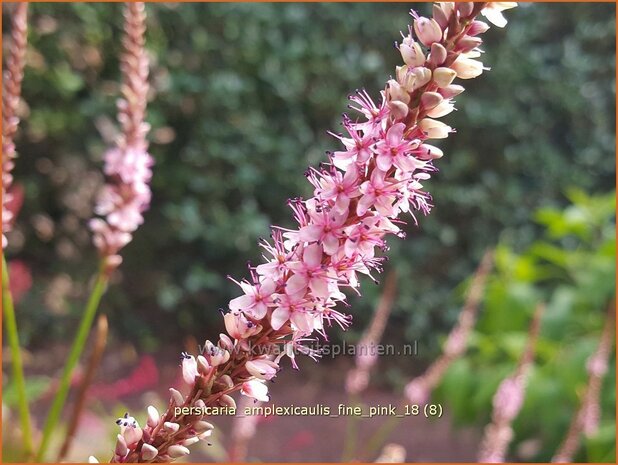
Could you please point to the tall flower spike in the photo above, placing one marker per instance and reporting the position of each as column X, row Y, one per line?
column 509, row 399
column 293, row 296
column 586, row 419
column 127, row 166
column 11, row 94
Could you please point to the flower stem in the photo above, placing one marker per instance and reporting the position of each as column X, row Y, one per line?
column 18, row 370
column 76, row 351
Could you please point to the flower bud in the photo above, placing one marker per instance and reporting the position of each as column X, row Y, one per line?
column 202, row 365
column 189, row 369
column 199, row 404
column 441, row 14
column 428, row 152
column 465, row 8
column 225, row 342
column 262, row 369
column 394, row 91
column 226, row 380
column 468, row 43
column 153, row 416
column 442, row 109
column 177, row 451
column 406, row 78
column 434, row 129
column 121, row 449
column 176, row 397
column 427, row 30
column 437, row 55
column 477, row 27
column 467, row 68
column 190, row 441
column 412, row 53
column 399, row 110
column 239, row 327
column 202, row 426
column 171, row 426
column 423, row 76
column 148, row 452
column 444, row 76
column 430, row 100
column 227, row 401
column 451, row 91
column 132, row 434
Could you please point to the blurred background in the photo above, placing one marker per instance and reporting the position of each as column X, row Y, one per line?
column 242, row 97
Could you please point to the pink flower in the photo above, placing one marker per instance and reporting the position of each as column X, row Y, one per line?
column 256, row 300
column 379, row 193
column 326, row 227
column 394, row 149
column 292, row 308
column 338, row 187
column 358, row 146
column 255, row 389
column 308, row 273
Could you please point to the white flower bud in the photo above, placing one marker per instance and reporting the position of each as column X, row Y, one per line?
column 438, row 54
column 467, row 68
column 434, row 129
column 148, row 452
column 121, row 449
column 412, row 53
column 451, row 91
column 423, row 76
column 171, row 426
column 444, row 76
column 176, row 397
column 177, row 451
column 443, row 109
column 153, row 416
column 430, row 100
column 427, row 30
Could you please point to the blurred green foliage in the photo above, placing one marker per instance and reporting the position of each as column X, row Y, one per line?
column 243, row 95
column 572, row 268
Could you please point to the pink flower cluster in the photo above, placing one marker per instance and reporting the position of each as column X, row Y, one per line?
column 357, row 198
column 128, row 165
column 122, row 200
column 11, row 94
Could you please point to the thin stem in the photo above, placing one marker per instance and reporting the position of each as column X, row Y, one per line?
column 100, row 341
column 18, row 369
column 76, row 351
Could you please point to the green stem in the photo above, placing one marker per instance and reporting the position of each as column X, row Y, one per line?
column 76, row 351
column 10, row 325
